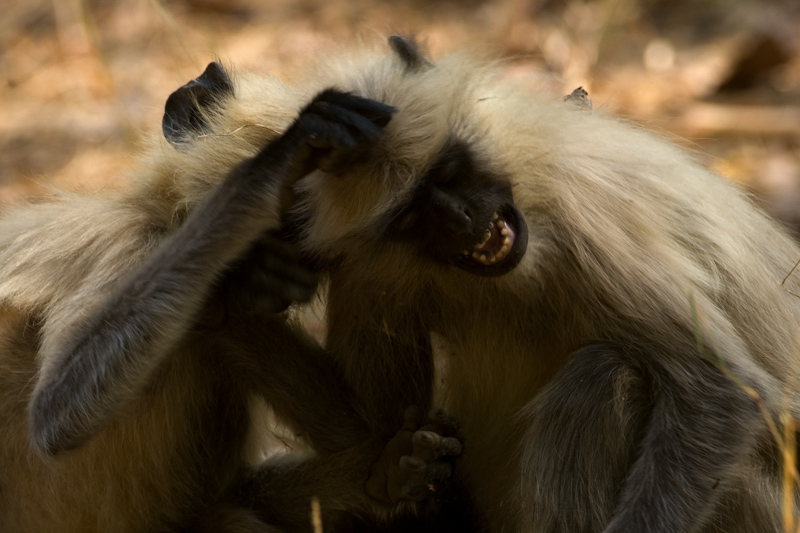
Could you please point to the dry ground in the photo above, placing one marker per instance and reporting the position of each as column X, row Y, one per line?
column 81, row 81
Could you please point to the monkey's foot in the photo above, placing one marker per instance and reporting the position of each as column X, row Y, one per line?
column 417, row 462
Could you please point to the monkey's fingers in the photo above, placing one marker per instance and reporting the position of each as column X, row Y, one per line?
column 325, row 135
column 376, row 112
column 437, row 473
column 340, row 128
column 358, row 125
column 335, row 145
column 409, row 463
column 272, row 257
column 438, row 420
column 409, row 483
column 240, row 298
column 357, row 136
column 330, row 125
column 421, row 479
column 252, row 290
column 451, row 447
column 430, row 445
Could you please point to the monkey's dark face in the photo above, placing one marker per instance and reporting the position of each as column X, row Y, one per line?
column 462, row 214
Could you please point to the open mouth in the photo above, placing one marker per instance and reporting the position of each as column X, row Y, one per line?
column 501, row 248
column 497, row 242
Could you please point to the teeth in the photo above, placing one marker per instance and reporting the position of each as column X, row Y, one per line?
column 486, row 237
column 497, row 255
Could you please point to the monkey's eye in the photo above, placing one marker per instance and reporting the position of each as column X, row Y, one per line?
column 445, row 171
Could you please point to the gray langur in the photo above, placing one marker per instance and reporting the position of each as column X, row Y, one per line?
column 604, row 317
column 136, row 329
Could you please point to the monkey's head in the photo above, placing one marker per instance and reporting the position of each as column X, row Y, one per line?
column 461, row 213
column 427, row 198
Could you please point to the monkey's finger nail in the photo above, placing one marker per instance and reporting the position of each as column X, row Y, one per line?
column 412, row 464
column 446, row 425
column 437, row 415
column 426, row 439
column 413, row 492
column 450, row 446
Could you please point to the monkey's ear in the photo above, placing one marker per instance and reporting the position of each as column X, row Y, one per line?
column 580, row 99
column 409, row 52
column 183, row 112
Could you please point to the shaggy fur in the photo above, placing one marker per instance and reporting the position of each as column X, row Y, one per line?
column 600, row 384
column 609, row 381
column 128, row 378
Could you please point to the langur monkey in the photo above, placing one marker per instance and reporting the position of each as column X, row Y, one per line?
column 604, row 317
column 137, row 327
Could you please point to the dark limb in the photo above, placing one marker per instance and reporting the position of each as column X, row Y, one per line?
column 109, row 358
column 581, row 436
column 388, row 359
column 270, row 276
column 701, row 429
column 411, row 467
column 355, row 471
column 301, row 382
column 617, row 442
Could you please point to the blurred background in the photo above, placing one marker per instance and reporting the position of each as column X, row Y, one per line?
column 82, row 81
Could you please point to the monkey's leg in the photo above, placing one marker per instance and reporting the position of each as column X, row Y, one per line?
column 280, row 491
column 307, row 390
column 582, row 434
column 385, row 351
column 617, row 444
column 700, row 432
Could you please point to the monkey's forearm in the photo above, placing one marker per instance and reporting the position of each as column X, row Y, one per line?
column 109, row 359
column 401, row 376
column 301, row 382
